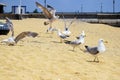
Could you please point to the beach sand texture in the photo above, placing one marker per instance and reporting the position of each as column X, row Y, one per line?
column 44, row 58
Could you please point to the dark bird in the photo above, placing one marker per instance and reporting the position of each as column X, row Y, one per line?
column 95, row 50
column 13, row 41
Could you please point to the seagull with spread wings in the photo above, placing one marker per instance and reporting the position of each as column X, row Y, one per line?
column 66, row 27
column 12, row 41
column 49, row 13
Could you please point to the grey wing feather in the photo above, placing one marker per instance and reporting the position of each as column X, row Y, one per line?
column 45, row 10
column 24, row 34
column 48, row 6
column 63, row 36
column 93, row 50
column 8, row 20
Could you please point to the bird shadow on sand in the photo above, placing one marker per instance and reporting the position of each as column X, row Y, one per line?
column 36, row 42
column 77, row 50
column 92, row 61
column 56, row 42
column 72, row 50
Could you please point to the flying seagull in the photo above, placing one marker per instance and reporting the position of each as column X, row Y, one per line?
column 95, row 50
column 49, row 13
column 76, row 43
column 13, row 41
column 10, row 25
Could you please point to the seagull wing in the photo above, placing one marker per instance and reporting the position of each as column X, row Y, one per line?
column 64, row 21
column 71, row 22
column 51, row 10
column 24, row 34
column 48, row 6
column 45, row 10
column 8, row 20
column 92, row 50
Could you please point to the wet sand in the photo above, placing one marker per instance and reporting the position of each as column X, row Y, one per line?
column 44, row 58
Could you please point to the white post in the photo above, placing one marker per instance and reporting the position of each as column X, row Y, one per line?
column 19, row 7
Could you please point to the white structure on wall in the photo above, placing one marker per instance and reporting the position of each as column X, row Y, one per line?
column 18, row 9
column 30, row 5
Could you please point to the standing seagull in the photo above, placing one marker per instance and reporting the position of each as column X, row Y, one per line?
column 49, row 12
column 10, row 25
column 13, row 41
column 95, row 50
column 83, row 34
column 77, row 42
column 61, row 36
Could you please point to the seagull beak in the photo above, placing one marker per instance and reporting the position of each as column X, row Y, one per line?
column 105, row 41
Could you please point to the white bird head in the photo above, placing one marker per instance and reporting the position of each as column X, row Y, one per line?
column 83, row 33
column 81, row 39
column 101, row 46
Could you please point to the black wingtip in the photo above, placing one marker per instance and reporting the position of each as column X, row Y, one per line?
column 68, row 35
column 77, row 37
column 67, row 42
column 36, row 3
column 34, row 35
column 48, row 6
column 86, row 46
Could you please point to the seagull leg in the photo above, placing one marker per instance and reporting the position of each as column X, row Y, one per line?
column 60, row 40
column 97, row 59
column 94, row 59
column 73, row 48
column 50, row 28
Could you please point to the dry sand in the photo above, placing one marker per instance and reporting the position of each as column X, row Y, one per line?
column 44, row 58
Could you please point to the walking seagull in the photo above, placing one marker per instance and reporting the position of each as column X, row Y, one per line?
column 10, row 25
column 49, row 13
column 95, row 50
column 76, row 43
column 12, row 41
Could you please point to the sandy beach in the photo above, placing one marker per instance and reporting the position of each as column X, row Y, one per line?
column 44, row 58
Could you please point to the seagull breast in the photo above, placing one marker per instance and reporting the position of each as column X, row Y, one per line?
column 101, row 46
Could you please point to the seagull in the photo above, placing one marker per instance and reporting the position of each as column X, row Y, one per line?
column 83, row 34
column 12, row 41
column 95, row 50
column 61, row 36
column 49, row 13
column 76, row 43
column 66, row 27
column 10, row 25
